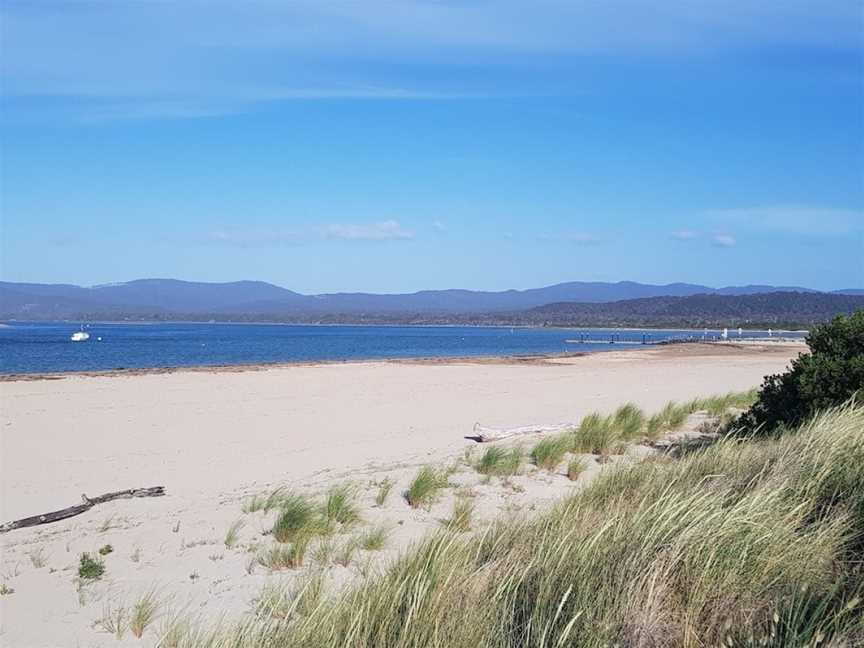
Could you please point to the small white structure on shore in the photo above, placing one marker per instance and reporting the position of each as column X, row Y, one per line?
column 725, row 334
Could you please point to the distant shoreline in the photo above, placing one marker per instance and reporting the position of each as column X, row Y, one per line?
column 10, row 323
column 515, row 359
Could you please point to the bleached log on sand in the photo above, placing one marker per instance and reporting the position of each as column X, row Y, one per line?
column 483, row 434
column 78, row 509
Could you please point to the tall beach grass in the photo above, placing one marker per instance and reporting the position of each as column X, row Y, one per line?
column 741, row 543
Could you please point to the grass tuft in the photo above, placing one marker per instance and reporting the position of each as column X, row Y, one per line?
column 462, row 516
column 500, row 462
column 298, row 519
column 425, row 486
column 144, row 612
column 575, row 468
column 340, row 506
column 383, row 492
column 549, row 452
column 595, row 435
column 374, row 539
column 232, row 536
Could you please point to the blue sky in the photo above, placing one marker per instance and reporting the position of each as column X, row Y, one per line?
column 402, row 146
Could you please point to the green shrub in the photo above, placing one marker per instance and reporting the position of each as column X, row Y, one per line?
column 832, row 373
column 90, row 568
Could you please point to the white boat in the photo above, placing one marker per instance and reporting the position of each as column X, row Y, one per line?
column 80, row 336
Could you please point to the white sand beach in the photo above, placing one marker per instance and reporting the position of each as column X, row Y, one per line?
column 212, row 438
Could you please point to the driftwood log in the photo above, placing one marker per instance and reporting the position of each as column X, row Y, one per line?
column 78, row 509
column 484, row 434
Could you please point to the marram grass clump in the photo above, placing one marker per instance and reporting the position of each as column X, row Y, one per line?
column 549, row 452
column 425, row 486
column 500, row 462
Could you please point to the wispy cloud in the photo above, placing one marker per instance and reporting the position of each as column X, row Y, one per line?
column 584, row 238
column 809, row 220
column 389, row 230
column 438, row 226
column 685, row 235
column 723, row 240
column 307, row 49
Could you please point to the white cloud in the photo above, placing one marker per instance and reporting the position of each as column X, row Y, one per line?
column 439, row 226
column 723, row 240
column 685, row 235
column 388, row 230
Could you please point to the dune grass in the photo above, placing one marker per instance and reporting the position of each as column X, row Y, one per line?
column 743, row 543
column 627, row 421
column 462, row 516
column 549, row 452
column 298, row 519
column 232, row 535
column 264, row 502
column 374, row 538
column 383, row 492
column 575, row 468
column 340, row 506
column 595, row 435
column 144, row 612
column 425, row 486
column 284, row 556
column 499, row 461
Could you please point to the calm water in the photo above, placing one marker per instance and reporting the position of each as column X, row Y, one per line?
column 45, row 347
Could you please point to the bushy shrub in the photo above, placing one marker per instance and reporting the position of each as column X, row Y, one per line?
column 832, row 373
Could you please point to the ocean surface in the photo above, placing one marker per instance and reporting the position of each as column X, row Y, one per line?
column 42, row 347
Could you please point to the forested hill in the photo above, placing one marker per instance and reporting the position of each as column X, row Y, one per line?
column 778, row 308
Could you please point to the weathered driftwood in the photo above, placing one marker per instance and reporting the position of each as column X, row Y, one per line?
column 78, row 509
column 484, row 434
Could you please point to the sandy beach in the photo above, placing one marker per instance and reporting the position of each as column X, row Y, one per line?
column 213, row 438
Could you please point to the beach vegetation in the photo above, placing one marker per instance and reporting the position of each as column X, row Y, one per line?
column 831, row 374
column 232, row 535
column 575, row 468
column 298, row 519
column 37, row 557
column 114, row 620
column 265, row 502
column 104, row 550
column 628, row 421
column 550, row 452
column 500, row 462
column 374, row 538
column 90, row 567
column 344, row 554
column 383, row 492
column 741, row 543
column 284, row 556
column 340, row 506
column 425, row 486
column 595, row 434
column 462, row 516
column 144, row 612
column 5, row 590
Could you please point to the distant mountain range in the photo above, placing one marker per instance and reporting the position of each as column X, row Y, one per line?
column 174, row 299
column 568, row 304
